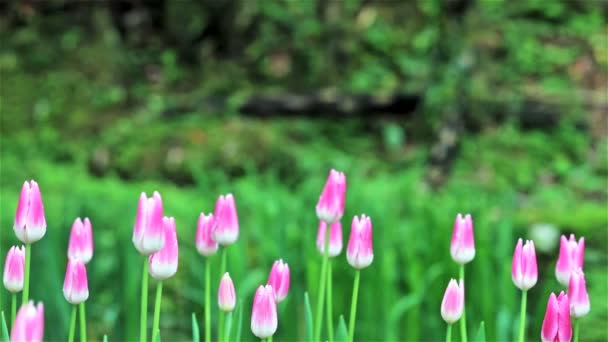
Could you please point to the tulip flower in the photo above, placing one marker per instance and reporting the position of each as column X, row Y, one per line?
column 205, row 244
column 279, row 280
column 148, row 235
column 81, row 241
column 335, row 238
column 463, row 244
column 452, row 305
column 13, row 269
column 264, row 319
column 29, row 324
column 227, row 223
column 330, row 207
column 571, row 257
column 577, row 294
column 30, row 224
column 163, row 264
column 556, row 324
column 360, row 252
column 75, row 285
column 524, row 271
column 226, row 296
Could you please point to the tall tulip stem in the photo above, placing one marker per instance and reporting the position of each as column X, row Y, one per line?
column 208, row 300
column 322, row 284
column 353, row 307
column 448, row 334
column 13, row 309
column 26, row 279
column 83, row 324
column 143, row 318
column 330, row 326
column 522, row 316
column 72, row 324
column 463, row 320
column 576, row 329
column 156, row 320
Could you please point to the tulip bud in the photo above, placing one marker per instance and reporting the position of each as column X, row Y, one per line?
column 264, row 319
column 148, row 235
column 463, row 243
column 524, row 271
column 360, row 252
column 226, row 296
column 453, row 302
column 13, row 269
column 335, row 238
column 571, row 256
column 29, row 323
column 556, row 324
column 75, row 285
column 81, row 241
column 279, row 280
column 330, row 207
column 577, row 294
column 205, row 244
column 163, row 264
column 30, row 224
column 227, row 222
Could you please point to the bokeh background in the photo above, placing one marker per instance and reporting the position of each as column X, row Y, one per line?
column 431, row 108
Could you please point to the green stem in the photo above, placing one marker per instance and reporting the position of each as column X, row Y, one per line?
column 207, row 300
column 463, row 319
column 143, row 318
column 522, row 316
column 576, row 329
column 269, row 339
column 220, row 327
column 353, row 307
column 223, row 264
column 448, row 334
column 83, row 324
column 330, row 326
column 322, row 284
column 26, row 279
column 13, row 309
column 72, row 324
column 156, row 320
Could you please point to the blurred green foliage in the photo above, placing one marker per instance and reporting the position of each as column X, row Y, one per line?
column 86, row 116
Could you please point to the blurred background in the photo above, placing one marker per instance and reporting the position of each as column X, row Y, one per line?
column 430, row 107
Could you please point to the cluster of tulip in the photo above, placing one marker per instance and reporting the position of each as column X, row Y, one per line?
column 561, row 309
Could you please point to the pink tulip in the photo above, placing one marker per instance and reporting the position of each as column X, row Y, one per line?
column 556, row 324
column 571, row 257
column 205, row 244
column 226, row 296
column 13, row 269
column 279, row 280
column 335, row 238
column 75, row 285
column 452, row 305
column 148, row 235
column 524, row 271
column 81, row 241
column 330, row 207
column 30, row 224
column 577, row 294
column 227, row 222
column 163, row 264
column 360, row 252
column 463, row 244
column 29, row 323
column 264, row 319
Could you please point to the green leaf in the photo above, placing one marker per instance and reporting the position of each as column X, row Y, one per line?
column 307, row 317
column 481, row 333
column 4, row 329
column 240, row 323
column 195, row 330
column 342, row 331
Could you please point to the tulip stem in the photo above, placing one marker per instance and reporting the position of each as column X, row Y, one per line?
column 522, row 316
column 576, row 329
column 207, row 300
column 83, row 324
column 463, row 319
column 269, row 339
column 322, row 284
column 220, row 331
column 143, row 318
column 26, row 279
column 448, row 334
column 13, row 309
column 353, row 307
column 330, row 327
column 156, row 321
column 72, row 324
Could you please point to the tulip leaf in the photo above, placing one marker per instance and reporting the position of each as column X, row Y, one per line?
column 195, row 331
column 308, row 317
column 4, row 328
column 240, row 323
column 481, row 333
column 342, row 331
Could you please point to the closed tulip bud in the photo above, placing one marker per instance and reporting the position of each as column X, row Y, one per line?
column 75, row 285
column 462, row 247
column 81, row 241
column 279, row 280
column 524, row 271
column 556, row 324
column 330, row 207
column 148, row 235
column 29, row 324
column 335, row 238
column 226, row 296
column 205, row 244
column 453, row 302
column 227, row 222
column 30, row 224
column 577, row 294
column 163, row 264
column 571, row 257
column 264, row 319
column 13, row 269
column 360, row 251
